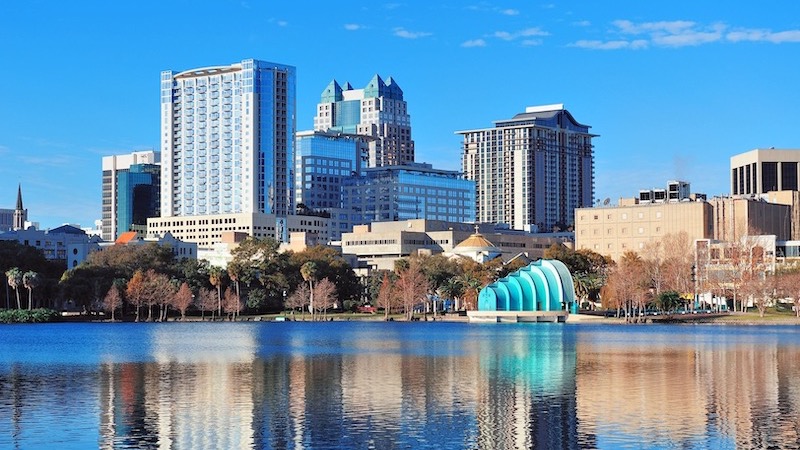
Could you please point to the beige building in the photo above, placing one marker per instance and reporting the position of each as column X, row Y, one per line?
column 380, row 244
column 737, row 217
column 763, row 170
column 208, row 230
column 613, row 230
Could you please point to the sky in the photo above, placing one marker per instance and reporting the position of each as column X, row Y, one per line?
column 673, row 89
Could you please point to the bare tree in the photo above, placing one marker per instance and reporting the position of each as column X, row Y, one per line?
column 298, row 299
column 412, row 286
column 183, row 299
column 385, row 297
column 324, row 295
column 206, row 301
column 112, row 300
column 231, row 304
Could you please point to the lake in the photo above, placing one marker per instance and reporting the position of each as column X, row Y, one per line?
column 376, row 385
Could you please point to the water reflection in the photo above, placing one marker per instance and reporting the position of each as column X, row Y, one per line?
column 343, row 386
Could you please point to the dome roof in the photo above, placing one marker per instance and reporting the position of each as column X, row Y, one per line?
column 476, row 240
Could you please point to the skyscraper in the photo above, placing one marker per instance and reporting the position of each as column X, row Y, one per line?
column 378, row 111
column 138, row 190
column 113, row 167
column 531, row 171
column 323, row 160
column 228, row 139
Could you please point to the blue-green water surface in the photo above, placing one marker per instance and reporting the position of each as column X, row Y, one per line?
column 375, row 385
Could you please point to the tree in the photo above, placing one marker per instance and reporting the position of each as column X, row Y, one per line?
column 215, row 275
column 14, row 276
column 183, row 299
column 412, row 287
column 231, row 305
column 309, row 272
column 298, row 299
column 31, row 280
column 206, row 301
column 137, row 291
column 325, row 295
column 453, row 289
column 628, row 285
column 668, row 301
column 113, row 300
column 385, row 298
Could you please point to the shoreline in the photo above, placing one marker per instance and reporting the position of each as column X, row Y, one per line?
column 744, row 319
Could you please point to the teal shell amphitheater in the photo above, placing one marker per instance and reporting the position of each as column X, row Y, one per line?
column 542, row 291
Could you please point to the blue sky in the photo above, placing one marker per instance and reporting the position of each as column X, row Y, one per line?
column 672, row 88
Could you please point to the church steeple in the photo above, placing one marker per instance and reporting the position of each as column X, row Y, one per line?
column 20, row 214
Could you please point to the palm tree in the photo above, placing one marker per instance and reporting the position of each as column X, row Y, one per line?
column 309, row 273
column 14, row 276
column 472, row 286
column 453, row 289
column 215, row 278
column 30, row 280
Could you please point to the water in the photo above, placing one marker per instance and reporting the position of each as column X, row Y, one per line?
column 349, row 385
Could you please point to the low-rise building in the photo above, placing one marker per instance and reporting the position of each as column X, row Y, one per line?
column 379, row 244
column 614, row 230
column 65, row 243
column 206, row 231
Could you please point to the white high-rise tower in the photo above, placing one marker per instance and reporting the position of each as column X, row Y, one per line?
column 227, row 139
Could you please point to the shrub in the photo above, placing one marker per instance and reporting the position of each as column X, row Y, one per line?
column 38, row 315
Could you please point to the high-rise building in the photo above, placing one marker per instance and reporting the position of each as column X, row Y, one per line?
column 322, row 161
column 113, row 167
column 409, row 191
column 531, row 171
column 378, row 111
column 228, row 139
column 138, row 192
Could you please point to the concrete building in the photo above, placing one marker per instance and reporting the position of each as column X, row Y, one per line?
column 113, row 168
column 737, row 217
column 760, row 171
column 410, row 191
column 227, row 140
column 531, row 171
column 63, row 243
column 207, row 231
column 379, row 244
column 613, row 230
column 378, row 111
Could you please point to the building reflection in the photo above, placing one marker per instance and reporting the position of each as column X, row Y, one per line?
column 197, row 394
column 378, row 387
column 720, row 392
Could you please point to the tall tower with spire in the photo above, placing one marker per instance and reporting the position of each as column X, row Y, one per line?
column 20, row 213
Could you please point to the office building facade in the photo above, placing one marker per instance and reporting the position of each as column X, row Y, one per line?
column 410, row 191
column 323, row 160
column 378, row 111
column 113, row 166
column 760, row 171
column 531, row 171
column 138, row 193
column 228, row 139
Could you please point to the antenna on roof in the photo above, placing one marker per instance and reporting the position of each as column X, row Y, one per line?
column 606, row 201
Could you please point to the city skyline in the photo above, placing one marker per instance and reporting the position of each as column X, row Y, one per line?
column 673, row 90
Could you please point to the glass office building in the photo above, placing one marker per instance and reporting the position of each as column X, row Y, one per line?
column 115, row 169
column 138, row 190
column 228, row 139
column 411, row 191
column 322, row 161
